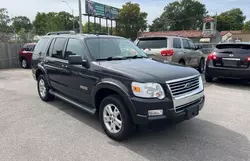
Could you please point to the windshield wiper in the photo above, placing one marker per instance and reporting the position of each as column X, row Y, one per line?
column 135, row 56
column 112, row 58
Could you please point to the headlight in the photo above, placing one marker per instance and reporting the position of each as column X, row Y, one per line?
column 148, row 90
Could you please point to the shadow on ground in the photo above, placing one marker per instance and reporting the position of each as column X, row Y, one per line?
column 195, row 139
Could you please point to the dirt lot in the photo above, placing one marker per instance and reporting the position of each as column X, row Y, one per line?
column 33, row 130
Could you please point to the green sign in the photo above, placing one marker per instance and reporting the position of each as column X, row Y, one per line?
column 98, row 9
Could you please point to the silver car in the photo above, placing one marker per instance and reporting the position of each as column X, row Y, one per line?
column 172, row 48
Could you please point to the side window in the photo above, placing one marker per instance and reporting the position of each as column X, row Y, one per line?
column 191, row 44
column 40, row 47
column 177, row 43
column 74, row 47
column 185, row 44
column 49, row 53
column 57, row 51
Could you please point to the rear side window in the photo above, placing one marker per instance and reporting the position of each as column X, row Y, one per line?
column 152, row 43
column 185, row 44
column 58, row 48
column 41, row 45
column 177, row 43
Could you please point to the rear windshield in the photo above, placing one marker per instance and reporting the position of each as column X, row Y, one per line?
column 152, row 43
column 233, row 46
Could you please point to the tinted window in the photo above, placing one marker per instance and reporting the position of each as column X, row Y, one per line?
column 191, row 44
column 57, row 51
column 74, row 47
column 177, row 43
column 185, row 44
column 112, row 47
column 152, row 43
column 41, row 45
column 49, row 53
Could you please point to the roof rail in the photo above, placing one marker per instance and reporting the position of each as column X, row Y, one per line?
column 61, row 33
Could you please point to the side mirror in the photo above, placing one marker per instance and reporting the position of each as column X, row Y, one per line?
column 77, row 60
column 196, row 47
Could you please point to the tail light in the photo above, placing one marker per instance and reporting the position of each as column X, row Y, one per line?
column 248, row 59
column 212, row 56
column 167, row 52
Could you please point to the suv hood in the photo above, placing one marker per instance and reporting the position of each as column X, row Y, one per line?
column 148, row 70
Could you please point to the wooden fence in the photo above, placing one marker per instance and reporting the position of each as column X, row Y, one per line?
column 9, row 55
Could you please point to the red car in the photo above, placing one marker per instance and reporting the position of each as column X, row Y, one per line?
column 25, row 54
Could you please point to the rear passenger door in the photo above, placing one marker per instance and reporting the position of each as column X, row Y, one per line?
column 56, row 66
column 195, row 55
column 188, row 52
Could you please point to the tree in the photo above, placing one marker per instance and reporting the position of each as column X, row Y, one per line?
column 4, row 20
column 246, row 26
column 180, row 15
column 231, row 20
column 92, row 27
column 131, row 20
column 21, row 22
column 53, row 21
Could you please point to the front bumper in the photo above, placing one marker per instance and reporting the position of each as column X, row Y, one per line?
column 170, row 109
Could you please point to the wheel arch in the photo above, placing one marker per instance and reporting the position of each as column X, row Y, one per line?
column 108, row 87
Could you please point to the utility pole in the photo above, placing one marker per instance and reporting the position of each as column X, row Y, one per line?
column 80, row 16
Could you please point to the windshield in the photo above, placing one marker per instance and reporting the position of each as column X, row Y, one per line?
column 103, row 48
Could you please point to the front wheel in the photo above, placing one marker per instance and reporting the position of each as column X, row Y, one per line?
column 115, row 118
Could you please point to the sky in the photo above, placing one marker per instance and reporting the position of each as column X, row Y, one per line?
column 154, row 8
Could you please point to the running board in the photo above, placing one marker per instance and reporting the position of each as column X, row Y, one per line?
column 84, row 107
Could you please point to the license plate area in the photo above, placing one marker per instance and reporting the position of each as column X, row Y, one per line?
column 192, row 112
column 230, row 62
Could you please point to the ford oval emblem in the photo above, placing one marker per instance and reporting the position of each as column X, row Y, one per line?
column 187, row 85
column 231, row 55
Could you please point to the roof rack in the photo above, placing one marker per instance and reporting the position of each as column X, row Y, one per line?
column 98, row 33
column 61, row 33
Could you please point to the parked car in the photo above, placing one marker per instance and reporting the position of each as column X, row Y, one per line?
column 112, row 77
column 229, row 60
column 25, row 54
column 172, row 48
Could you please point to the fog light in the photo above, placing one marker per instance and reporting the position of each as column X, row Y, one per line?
column 155, row 112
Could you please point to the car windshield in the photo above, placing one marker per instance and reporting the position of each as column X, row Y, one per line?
column 153, row 43
column 113, row 48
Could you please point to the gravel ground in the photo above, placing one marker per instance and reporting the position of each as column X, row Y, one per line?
column 34, row 130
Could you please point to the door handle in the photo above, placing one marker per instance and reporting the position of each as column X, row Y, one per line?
column 64, row 66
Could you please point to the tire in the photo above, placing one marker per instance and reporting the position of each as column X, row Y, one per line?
column 208, row 78
column 44, row 93
column 114, row 102
column 201, row 67
column 182, row 62
column 24, row 63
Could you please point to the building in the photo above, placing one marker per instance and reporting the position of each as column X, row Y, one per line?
column 208, row 34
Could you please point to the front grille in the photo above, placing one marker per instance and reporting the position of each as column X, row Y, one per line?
column 183, row 86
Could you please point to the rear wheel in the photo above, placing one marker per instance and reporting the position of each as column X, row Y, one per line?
column 115, row 118
column 201, row 66
column 24, row 63
column 208, row 78
column 43, row 89
column 182, row 62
